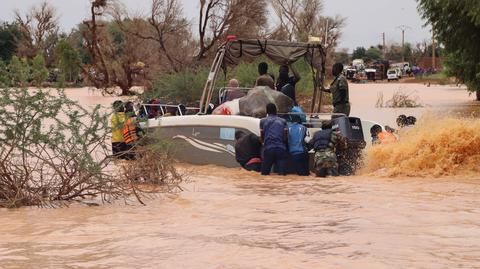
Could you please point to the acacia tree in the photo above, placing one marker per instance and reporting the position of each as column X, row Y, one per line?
column 218, row 18
column 114, row 56
column 166, row 28
column 300, row 19
column 39, row 32
column 456, row 25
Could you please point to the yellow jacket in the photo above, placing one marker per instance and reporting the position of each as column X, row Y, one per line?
column 117, row 121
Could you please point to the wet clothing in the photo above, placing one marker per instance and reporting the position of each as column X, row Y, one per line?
column 117, row 122
column 296, row 138
column 324, row 142
column 130, row 131
column 297, row 149
column 274, row 146
column 277, row 156
column 325, row 159
column 254, row 164
column 323, row 139
column 340, row 95
column 118, row 143
column 300, row 164
column 247, row 148
column 265, row 80
column 273, row 128
column 118, row 149
column 386, row 138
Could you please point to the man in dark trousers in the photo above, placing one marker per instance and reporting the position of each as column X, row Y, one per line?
column 274, row 135
column 248, row 151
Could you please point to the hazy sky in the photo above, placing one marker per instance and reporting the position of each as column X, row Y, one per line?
column 366, row 19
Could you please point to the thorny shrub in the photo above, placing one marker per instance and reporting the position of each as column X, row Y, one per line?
column 399, row 99
column 52, row 150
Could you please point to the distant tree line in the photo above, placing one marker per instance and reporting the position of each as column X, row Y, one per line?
column 113, row 48
column 395, row 53
column 456, row 24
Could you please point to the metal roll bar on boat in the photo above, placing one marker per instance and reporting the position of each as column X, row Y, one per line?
column 163, row 106
column 280, row 52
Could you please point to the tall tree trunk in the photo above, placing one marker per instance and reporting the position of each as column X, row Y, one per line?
column 478, row 95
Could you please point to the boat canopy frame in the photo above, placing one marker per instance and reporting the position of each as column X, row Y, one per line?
column 232, row 52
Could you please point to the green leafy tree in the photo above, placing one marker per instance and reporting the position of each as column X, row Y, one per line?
column 19, row 71
column 9, row 36
column 359, row 53
column 372, row 54
column 67, row 60
column 456, row 24
column 39, row 71
column 4, row 80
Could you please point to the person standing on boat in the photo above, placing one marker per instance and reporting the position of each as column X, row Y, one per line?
column 264, row 79
column 286, row 83
column 248, row 151
column 117, row 122
column 232, row 92
column 274, row 135
column 339, row 91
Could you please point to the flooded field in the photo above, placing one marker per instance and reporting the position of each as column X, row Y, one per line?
column 228, row 218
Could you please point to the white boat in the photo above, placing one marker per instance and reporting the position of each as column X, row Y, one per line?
column 210, row 139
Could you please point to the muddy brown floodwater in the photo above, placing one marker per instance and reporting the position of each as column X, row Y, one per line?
column 228, row 218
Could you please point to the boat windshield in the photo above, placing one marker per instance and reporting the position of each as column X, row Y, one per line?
column 161, row 110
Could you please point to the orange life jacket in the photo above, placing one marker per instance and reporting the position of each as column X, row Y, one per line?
column 387, row 138
column 130, row 131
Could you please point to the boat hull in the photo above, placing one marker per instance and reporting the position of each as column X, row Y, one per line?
column 203, row 140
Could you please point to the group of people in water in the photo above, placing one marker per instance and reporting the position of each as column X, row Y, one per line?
column 282, row 143
column 125, row 130
column 390, row 135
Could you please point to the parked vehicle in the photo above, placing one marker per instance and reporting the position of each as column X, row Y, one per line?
column 392, row 74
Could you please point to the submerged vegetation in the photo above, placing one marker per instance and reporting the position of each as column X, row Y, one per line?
column 53, row 151
column 399, row 99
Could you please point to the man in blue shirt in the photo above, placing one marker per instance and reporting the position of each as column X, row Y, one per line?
column 296, row 147
column 274, row 135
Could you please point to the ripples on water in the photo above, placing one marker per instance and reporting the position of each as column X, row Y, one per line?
column 246, row 221
column 227, row 218
column 436, row 146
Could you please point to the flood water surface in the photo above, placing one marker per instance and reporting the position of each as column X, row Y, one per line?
column 228, row 218
column 243, row 221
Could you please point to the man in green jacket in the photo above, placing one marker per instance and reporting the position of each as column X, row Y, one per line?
column 339, row 91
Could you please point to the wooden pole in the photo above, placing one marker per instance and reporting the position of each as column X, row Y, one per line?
column 434, row 64
column 384, row 46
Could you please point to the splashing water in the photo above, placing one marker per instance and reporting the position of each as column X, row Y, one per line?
column 434, row 147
